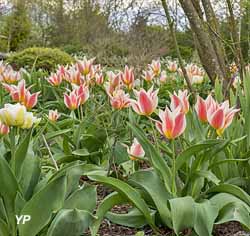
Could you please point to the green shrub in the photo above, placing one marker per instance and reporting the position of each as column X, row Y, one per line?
column 39, row 58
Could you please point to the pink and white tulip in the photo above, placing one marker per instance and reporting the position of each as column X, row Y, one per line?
column 4, row 129
column 55, row 79
column 53, row 115
column 148, row 75
column 135, row 151
column 172, row 66
column 202, row 106
column 119, row 100
column 220, row 116
column 146, row 102
column 85, row 65
column 128, row 77
column 72, row 101
column 180, row 99
column 82, row 93
column 172, row 124
column 155, row 66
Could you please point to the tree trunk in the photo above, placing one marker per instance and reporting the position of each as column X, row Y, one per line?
column 204, row 43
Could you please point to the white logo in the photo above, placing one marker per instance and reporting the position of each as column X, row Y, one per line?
column 22, row 219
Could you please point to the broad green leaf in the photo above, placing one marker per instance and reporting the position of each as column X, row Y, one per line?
column 234, row 211
column 4, row 231
column 134, row 218
column 222, row 199
column 9, row 188
column 71, row 222
column 206, row 214
column 150, row 182
column 208, row 175
column 41, row 206
column 107, row 203
column 19, row 203
column 183, row 213
column 129, row 192
column 187, row 154
column 231, row 189
column 82, row 199
column 158, row 162
column 30, row 174
column 21, row 152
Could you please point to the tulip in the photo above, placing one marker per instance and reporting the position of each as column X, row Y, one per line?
column 135, row 151
column 62, row 71
column 30, row 99
column 128, row 77
column 82, row 93
column 155, row 67
column 99, row 78
column 55, row 79
column 220, row 116
column 172, row 66
column 202, row 106
column 53, row 115
column 74, row 76
column 10, row 76
column 114, row 79
column 17, row 115
column 72, row 101
column 146, row 101
column 17, row 92
column 148, row 75
column 119, row 100
column 163, row 77
column 2, row 67
column 173, row 123
column 85, row 65
column 4, row 129
column 180, row 99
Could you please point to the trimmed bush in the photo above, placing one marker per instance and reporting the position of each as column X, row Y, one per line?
column 41, row 58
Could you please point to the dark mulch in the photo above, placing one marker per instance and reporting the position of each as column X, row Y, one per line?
column 109, row 229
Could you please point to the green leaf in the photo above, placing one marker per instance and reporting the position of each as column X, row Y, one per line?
column 158, row 162
column 9, row 188
column 107, row 203
column 134, row 218
column 129, row 192
column 30, row 174
column 56, row 133
column 234, row 211
column 232, row 189
column 183, row 213
column 4, row 228
column 71, row 222
column 187, row 154
column 41, row 206
column 150, row 182
column 206, row 214
column 81, row 152
column 208, row 175
column 21, row 152
column 82, row 199
column 222, row 199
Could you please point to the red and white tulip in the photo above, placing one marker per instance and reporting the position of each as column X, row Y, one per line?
column 146, row 102
column 180, row 99
column 135, row 151
column 172, row 124
column 53, row 115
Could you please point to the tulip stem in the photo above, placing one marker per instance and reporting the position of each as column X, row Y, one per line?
column 154, row 135
column 13, row 145
column 50, row 154
column 173, row 168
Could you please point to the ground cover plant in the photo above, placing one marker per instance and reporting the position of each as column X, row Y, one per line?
column 178, row 159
